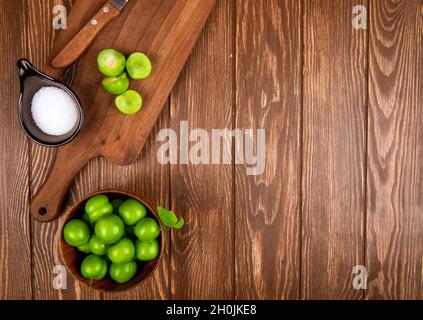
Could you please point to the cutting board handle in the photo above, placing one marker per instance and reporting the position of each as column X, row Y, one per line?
column 46, row 205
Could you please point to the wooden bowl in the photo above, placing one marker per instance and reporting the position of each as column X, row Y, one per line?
column 72, row 257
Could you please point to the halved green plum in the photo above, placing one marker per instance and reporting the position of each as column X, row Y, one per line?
column 116, row 85
column 111, row 62
column 138, row 66
column 129, row 102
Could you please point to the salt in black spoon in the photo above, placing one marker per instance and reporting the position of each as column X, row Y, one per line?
column 32, row 80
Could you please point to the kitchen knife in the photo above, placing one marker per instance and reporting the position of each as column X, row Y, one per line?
column 76, row 47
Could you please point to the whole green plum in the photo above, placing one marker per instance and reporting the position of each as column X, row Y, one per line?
column 98, row 206
column 147, row 251
column 123, row 272
column 132, row 211
column 97, row 246
column 76, row 232
column 94, row 267
column 147, row 229
column 122, row 251
column 109, row 229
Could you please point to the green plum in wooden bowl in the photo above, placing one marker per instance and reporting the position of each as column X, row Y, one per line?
column 99, row 243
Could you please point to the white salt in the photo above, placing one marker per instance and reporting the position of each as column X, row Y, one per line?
column 54, row 111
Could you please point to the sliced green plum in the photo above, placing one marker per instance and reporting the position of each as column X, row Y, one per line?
column 111, row 62
column 138, row 66
column 116, row 85
column 129, row 102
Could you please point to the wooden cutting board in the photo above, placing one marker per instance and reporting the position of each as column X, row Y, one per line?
column 166, row 30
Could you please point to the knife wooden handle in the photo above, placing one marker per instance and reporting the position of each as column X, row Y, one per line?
column 76, row 47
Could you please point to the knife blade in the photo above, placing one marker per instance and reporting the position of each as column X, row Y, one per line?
column 82, row 40
column 119, row 4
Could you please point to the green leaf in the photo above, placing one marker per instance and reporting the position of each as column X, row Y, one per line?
column 167, row 217
column 170, row 219
column 180, row 223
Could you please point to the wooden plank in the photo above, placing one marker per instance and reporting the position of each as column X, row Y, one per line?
column 395, row 171
column 268, row 80
column 202, row 252
column 40, row 35
column 15, row 229
column 334, row 145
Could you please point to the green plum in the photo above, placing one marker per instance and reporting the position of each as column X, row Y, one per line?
column 97, row 246
column 147, row 229
column 76, row 232
column 116, row 203
column 88, row 220
column 147, row 251
column 116, row 85
column 122, row 251
column 98, row 206
column 94, row 267
column 109, row 229
column 138, row 66
column 85, row 248
column 129, row 102
column 111, row 62
column 123, row 272
column 132, row 211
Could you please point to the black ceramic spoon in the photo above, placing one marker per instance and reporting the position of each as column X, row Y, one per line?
column 31, row 81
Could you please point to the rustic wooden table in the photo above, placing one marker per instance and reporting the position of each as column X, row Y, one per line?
column 343, row 113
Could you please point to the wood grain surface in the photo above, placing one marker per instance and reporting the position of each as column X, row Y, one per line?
column 267, row 207
column 395, row 134
column 343, row 183
column 202, row 253
column 333, row 149
column 15, row 228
